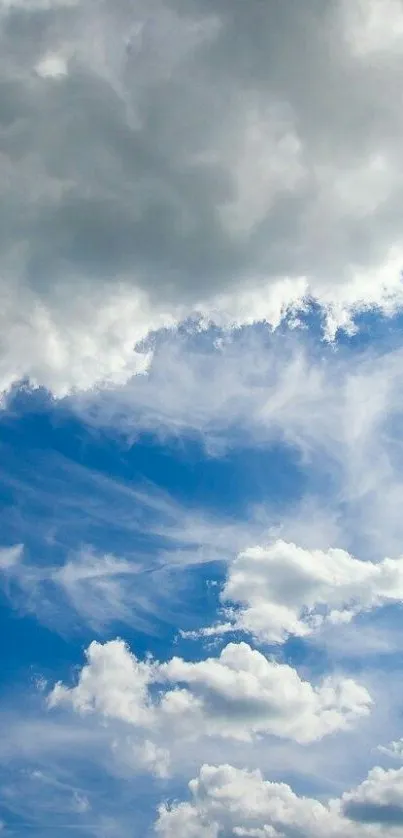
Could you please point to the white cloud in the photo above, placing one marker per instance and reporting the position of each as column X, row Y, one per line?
column 377, row 800
column 146, row 756
column 61, row 775
column 228, row 162
column 98, row 588
column 242, row 693
column 333, row 415
column 52, row 66
column 10, row 556
column 68, row 578
column 239, row 695
column 281, row 589
column 66, row 353
column 393, row 749
column 372, row 29
column 113, row 683
column 126, row 210
column 226, row 801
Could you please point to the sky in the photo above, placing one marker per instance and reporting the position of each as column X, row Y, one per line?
column 201, row 403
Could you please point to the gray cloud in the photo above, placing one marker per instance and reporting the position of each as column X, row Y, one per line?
column 133, row 153
column 377, row 800
column 163, row 158
column 389, row 815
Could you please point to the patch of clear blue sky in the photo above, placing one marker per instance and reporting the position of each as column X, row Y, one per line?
column 48, row 462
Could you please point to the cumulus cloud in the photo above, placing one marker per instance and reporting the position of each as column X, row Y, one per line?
column 280, row 590
column 226, row 801
column 377, row 800
column 239, row 695
column 242, row 693
column 161, row 161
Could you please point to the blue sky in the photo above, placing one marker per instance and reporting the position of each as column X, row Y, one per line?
column 201, row 402
column 134, row 538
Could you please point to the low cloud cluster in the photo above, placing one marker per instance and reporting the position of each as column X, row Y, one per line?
column 226, row 801
column 241, row 695
column 282, row 590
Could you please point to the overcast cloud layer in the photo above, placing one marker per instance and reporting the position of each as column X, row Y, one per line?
column 161, row 159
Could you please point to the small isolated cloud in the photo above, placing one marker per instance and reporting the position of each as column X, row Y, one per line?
column 239, row 695
column 282, row 590
column 229, row 801
column 10, row 557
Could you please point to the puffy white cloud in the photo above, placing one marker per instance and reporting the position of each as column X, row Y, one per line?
column 242, row 693
column 113, row 683
column 239, row 695
column 282, row 590
column 226, row 801
column 85, row 336
column 377, row 800
column 160, row 161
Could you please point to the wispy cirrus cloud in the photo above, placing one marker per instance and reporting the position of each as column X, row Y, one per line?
column 337, row 412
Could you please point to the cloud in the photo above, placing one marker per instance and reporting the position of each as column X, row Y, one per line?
column 66, row 577
column 10, row 557
column 393, row 749
column 62, row 774
column 377, row 800
column 226, row 801
column 97, row 590
column 279, row 590
column 336, row 412
column 243, row 693
column 239, row 695
column 161, row 162
column 52, row 66
column 115, row 552
column 113, row 682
